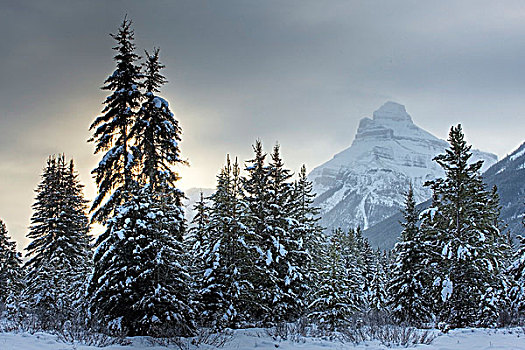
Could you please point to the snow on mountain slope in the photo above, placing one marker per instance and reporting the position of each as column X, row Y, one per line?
column 364, row 184
column 508, row 175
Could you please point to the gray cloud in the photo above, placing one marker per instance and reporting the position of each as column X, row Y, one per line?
column 299, row 72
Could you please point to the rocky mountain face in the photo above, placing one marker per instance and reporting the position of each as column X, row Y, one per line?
column 364, row 184
column 508, row 175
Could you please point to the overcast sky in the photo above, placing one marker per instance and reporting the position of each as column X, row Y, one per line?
column 298, row 72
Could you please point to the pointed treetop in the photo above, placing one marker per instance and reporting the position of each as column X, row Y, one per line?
column 125, row 34
column 152, row 68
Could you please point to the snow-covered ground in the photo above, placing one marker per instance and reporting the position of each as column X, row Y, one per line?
column 471, row 339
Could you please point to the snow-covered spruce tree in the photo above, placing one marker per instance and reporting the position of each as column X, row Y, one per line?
column 58, row 255
column 378, row 298
column 408, row 298
column 351, row 251
column 271, row 223
column 336, row 296
column 285, row 242
column 367, row 265
column 114, row 173
column 388, row 259
column 11, row 276
column 195, row 242
column 197, row 233
column 76, row 223
column 516, row 271
column 307, row 233
column 256, row 192
column 156, row 132
column 140, row 284
column 465, row 245
column 224, row 289
column 365, row 259
column 495, row 306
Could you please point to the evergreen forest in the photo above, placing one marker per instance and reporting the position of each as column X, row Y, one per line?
column 254, row 255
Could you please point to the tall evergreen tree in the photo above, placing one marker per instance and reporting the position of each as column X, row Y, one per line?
column 285, row 244
column 11, row 282
column 114, row 173
column 140, row 283
column 307, row 233
column 465, row 241
column 58, row 255
column 225, row 291
column 495, row 302
column 516, row 272
column 256, row 193
column 156, row 132
column 365, row 259
column 337, row 294
column 408, row 297
column 195, row 243
column 197, row 233
column 270, row 218
column 378, row 286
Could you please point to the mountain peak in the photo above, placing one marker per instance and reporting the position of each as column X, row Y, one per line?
column 392, row 111
column 390, row 121
column 365, row 183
